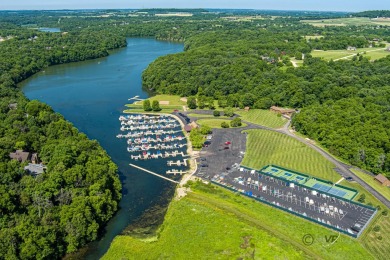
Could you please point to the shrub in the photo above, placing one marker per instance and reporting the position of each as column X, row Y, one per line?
column 377, row 228
column 216, row 113
column 228, row 111
column 385, row 213
column 236, row 122
column 224, row 124
column 146, row 105
column 156, row 105
column 191, row 102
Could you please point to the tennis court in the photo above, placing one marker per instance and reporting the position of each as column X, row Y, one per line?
column 330, row 189
column 285, row 174
column 310, row 182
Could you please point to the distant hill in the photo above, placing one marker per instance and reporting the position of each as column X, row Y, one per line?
column 373, row 14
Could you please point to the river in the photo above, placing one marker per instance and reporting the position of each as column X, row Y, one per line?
column 92, row 95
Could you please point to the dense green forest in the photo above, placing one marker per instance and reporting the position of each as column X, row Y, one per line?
column 373, row 14
column 67, row 206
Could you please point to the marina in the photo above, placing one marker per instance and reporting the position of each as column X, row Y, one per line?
column 154, row 137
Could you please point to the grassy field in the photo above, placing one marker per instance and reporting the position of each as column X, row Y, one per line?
column 213, row 223
column 205, row 115
column 174, row 104
column 172, row 99
column 372, row 239
column 215, row 123
column 372, row 53
column 267, row 147
column 262, row 117
column 385, row 191
column 313, row 37
column 355, row 21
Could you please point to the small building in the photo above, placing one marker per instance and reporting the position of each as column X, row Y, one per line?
column 247, row 109
column 351, row 48
column 286, row 112
column 20, row 156
column 35, row 169
column 382, row 180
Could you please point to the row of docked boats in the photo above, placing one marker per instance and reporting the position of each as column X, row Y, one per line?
column 158, row 139
column 145, row 155
column 147, row 147
column 152, row 136
column 147, row 133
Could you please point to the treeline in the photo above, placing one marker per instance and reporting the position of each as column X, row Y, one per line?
column 373, row 14
column 67, row 206
column 339, row 42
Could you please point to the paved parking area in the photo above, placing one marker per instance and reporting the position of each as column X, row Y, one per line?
column 222, row 167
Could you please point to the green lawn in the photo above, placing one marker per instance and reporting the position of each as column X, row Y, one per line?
column 262, row 117
column 385, row 191
column 172, row 99
column 371, row 239
column 213, row 223
column 174, row 104
column 215, row 123
column 267, row 147
column 205, row 115
column 375, row 55
column 372, row 53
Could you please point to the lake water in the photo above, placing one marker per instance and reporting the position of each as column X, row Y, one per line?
column 92, row 95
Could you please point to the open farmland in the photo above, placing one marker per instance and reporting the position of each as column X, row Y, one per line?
column 354, row 21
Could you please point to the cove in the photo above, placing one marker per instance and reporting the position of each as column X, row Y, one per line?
column 92, row 95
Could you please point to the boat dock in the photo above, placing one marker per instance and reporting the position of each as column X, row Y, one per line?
column 178, row 163
column 174, row 172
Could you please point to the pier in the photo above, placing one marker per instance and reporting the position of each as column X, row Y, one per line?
column 174, row 172
column 136, row 98
column 178, row 163
column 153, row 173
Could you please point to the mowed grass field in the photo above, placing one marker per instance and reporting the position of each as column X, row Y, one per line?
column 378, row 243
column 372, row 53
column 354, row 21
column 262, row 117
column 174, row 104
column 267, row 147
column 205, row 115
column 214, row 223
column 385, row 191
column 215, row 123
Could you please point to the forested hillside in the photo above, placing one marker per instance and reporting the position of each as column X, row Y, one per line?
column 62, row 209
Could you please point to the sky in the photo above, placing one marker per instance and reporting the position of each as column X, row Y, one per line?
column 319, row 5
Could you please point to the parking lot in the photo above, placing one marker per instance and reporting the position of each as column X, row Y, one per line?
column 222, row 165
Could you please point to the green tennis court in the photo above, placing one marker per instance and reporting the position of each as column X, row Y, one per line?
column 310, row 182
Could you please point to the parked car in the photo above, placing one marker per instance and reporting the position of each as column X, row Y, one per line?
column 228, row 142
column 204, row 165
